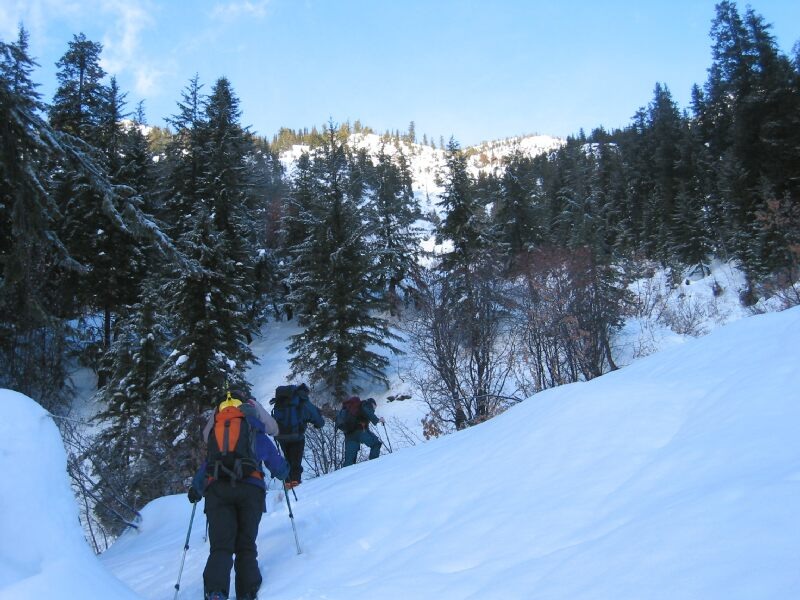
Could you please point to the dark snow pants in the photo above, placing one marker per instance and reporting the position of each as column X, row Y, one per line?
column 293, row 453
column 234, row 514
column 353, row 441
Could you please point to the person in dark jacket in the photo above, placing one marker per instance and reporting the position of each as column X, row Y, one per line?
column 362, row 433
column 234, row 508
column 292, row 435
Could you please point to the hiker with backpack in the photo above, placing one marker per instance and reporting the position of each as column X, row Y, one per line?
column 353, row 420
column 293, row 411
column 232, row 481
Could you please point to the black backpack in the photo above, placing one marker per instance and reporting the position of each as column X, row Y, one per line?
column 348, row 419
column 231, row 453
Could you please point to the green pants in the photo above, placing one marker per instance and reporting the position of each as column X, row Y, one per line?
column 352, row 444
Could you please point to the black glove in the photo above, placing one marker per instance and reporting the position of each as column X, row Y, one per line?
column 194, row 495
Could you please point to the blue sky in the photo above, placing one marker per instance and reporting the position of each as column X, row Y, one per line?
column 476, row 70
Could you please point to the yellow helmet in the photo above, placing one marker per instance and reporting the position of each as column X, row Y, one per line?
column 229, row 401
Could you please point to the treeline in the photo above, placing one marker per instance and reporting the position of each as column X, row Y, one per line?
column 287, row 137
column 722, row 179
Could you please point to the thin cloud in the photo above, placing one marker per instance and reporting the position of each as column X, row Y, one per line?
column 123, row 50
column 122, row 42
column 230, row 11
column 35, row 15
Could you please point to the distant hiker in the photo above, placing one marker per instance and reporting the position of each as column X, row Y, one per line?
column 293, row 411
column 232, row 481
column 353, row 420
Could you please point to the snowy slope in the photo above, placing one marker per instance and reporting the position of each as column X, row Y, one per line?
column 426, row 162
column 675, row 477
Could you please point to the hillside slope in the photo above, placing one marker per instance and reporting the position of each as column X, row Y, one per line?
column 676, row 477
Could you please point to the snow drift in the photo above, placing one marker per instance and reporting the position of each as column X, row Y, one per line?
column 43, row 553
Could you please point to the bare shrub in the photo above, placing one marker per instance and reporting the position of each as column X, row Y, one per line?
column 686, row 317
column 324, row 451
column 568, row 309
column 463, row 359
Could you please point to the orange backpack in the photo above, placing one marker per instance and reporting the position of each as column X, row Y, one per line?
column 231, row 451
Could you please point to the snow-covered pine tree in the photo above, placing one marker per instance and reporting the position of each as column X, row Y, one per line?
column 33, row 330
column 91, row 202
column 394, row 210
column 748, row 111
column 334, row 280
column 127, row 455
column 226, row 181
column 179, row 187
column 119, row 267
column 268, row 192
column 515, row 213
column 208, row 345
column 207, row 297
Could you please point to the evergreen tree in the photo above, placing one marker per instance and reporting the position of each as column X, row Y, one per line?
column 208, row 347
column 394, row 211
column 33, row 332
column 225, row 184
column 80, row 96
column 180, row 188
column 334, row 280
column 518, row 221
column 465, row 219
column 89, row 112
column 128, row 454
column 266, row 203
column 118, row 265
column 748, row 112
column 663, row 136
column 691, row 240
column 207, row 296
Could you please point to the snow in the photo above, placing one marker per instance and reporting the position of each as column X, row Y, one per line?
column 676, row 477
column 426, row 162
column 43, row 552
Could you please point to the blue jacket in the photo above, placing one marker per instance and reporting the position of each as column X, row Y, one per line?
column 310, row 414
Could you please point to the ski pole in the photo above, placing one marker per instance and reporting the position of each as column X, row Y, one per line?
column 185, row 550
column 387, row 438
column 291, row 518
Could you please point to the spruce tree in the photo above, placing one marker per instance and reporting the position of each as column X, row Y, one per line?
column 208, row 348
column 226, row 181
column 394, row 211
column 80, row 95
column 334, row 282
column 33, row 330
column 180, row 186
column 206, row 296
column 518, row 222
column 119, row 264
column 128, row 453
column 748, row 112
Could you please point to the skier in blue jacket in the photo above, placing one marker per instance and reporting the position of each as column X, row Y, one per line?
column 234, row 508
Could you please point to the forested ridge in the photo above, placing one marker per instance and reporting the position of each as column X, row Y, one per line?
column 154, row 256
